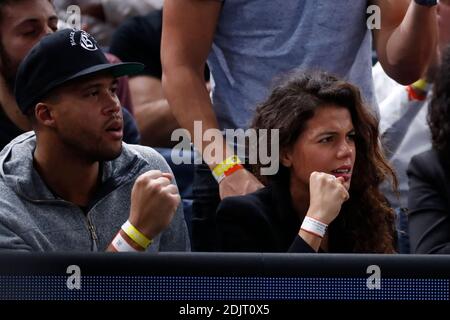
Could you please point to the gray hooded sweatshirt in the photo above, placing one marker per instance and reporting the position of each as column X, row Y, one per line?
column 32, row 218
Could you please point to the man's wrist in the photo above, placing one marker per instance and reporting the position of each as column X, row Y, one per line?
column 123, row 243
column 137, row 234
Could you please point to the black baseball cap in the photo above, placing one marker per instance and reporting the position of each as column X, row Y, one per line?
column 60, row 57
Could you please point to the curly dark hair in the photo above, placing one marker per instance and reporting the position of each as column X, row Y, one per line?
column 439, row 109
column 366, row 222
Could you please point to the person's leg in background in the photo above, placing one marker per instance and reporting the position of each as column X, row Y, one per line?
column 206, row 200
column 401, row 224
column 184, row 175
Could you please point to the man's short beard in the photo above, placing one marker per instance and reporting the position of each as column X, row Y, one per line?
column 7, row 70
column 89, row 154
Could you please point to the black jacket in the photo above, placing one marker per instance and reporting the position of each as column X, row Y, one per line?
column 429, row 204
column 265, row 221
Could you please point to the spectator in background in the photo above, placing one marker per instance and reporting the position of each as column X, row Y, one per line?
column 330, row 168
column 429, row 175
column 139, row 39
column 22, row 24
column 102, row 17
column 71, row 186
column 249, row 42
column 403, row 125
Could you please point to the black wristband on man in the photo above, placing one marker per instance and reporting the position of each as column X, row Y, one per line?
column 427, row 3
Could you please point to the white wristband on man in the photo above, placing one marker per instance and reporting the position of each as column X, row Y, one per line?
column 314, row 227
column 121, row 245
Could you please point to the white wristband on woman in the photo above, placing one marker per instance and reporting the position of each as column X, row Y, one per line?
column 314, row 226
column 121, row 245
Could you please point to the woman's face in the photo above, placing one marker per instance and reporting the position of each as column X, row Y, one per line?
column 327, row 145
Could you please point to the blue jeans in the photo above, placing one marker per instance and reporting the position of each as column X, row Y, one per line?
column 401, row 225
column 184, row 175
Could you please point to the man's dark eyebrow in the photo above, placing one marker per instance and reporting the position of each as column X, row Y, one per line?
column 95, row 84
column 27, row 21
column 90, row 86
column 34, row 20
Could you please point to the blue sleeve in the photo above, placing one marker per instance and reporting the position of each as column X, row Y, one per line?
column 130, row 130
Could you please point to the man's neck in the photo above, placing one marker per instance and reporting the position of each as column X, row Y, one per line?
column 67, row 175
column 9, row 106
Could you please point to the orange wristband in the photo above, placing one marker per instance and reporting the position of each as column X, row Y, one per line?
column 226, row 168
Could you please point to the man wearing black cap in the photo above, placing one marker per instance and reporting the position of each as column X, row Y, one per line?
column 22, row 24
column 74, row 186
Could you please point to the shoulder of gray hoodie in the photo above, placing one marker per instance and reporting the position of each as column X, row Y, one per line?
column 32, row 218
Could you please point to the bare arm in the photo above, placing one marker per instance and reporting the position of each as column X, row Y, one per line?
column 327, row 194
column 407, row 38
column 188, row 32
column 154, row 201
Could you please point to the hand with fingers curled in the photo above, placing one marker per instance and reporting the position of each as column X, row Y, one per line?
column 327, row 194
column 154, row 200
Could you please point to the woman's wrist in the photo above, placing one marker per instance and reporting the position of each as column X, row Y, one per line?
column 314, row 226
column 318, row 214
column 312, row 240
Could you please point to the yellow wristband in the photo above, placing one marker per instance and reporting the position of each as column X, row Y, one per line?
column 136, row 235
column 420, row 84
column 219, row 170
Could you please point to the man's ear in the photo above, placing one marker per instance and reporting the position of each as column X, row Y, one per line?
column 286, row 157
column 43, row 113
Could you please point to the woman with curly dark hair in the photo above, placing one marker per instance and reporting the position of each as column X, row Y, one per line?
column 429, row 175
column 330, row 168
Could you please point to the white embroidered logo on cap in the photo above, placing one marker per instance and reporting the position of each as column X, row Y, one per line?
column 86, row 43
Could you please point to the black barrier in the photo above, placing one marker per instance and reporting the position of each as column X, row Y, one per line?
column 223, row 277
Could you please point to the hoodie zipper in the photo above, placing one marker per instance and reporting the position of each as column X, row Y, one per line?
column 93, row 235
column 134, row 166
column 90, row 225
